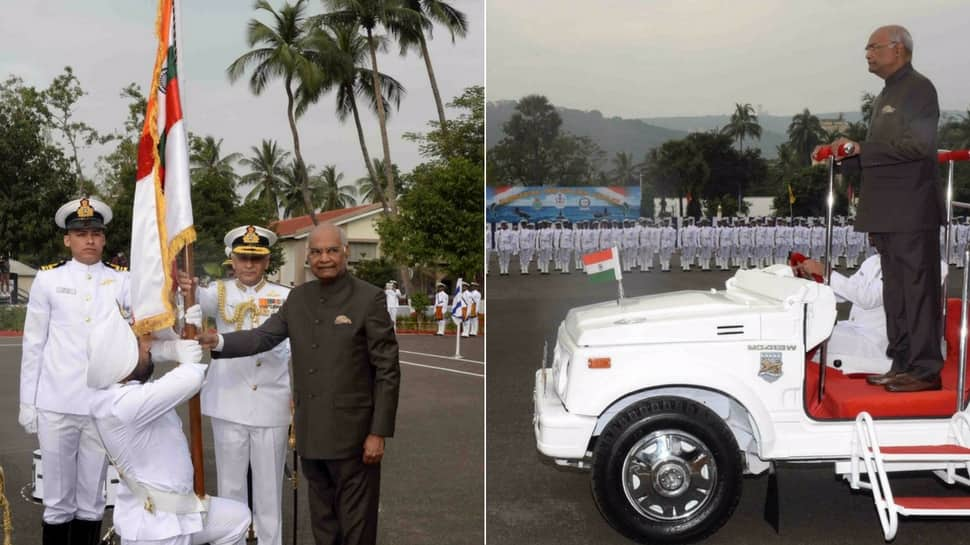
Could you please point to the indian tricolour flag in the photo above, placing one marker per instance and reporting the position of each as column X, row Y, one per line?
column 603, row 265
column 162, row 214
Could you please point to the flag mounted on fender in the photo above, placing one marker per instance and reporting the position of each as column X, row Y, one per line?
column 161, row 222
column 603, row 265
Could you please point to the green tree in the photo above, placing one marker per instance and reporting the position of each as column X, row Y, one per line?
column 368, row 188
column 442, row 211
column 623, row 168
column 464, row 136
column 61, row 98
column 283, row 53
column 805, row 132
column 368, row 15
column 525, row 155
column 206, row 159
column 440, row 219
column 35, row 176
column 810, row 185
column 413, row 36
column 335, row 195
column 743, row 123
column 267, row 166
column 342, row 54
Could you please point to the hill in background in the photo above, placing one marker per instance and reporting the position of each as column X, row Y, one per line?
column 636, row 136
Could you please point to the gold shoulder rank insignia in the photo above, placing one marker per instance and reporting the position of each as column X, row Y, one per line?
column 118, row 268
column 52, row 266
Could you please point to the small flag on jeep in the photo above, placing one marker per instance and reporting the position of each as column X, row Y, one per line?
column 603, row 265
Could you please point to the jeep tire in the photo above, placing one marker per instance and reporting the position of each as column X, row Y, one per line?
column 666, row 470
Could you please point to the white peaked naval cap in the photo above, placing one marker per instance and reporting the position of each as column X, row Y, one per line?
column 112, row 351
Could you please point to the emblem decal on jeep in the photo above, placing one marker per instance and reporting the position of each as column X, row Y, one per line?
column 770, row 366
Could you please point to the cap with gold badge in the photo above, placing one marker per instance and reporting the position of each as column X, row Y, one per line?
column 250, row 240
column 83, row 213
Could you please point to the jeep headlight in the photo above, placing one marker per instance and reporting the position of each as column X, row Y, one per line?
column 560, row 367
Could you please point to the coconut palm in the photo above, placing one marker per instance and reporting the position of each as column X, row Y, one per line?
column 743, row 123
column 805, row 132
column 335, row 195
column 367, row 187
column 367, row 15
column 207, row 160
column 267, row 167
column 291, row 191
column 408, row 37
column 623, row 167
column 343, row 55
column 282, row 53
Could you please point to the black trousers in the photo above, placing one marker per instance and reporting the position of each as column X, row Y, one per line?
column 912, row 295
column 343, row 498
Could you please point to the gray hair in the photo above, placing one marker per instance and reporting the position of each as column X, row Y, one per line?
column 327, row 226
column 900, row 35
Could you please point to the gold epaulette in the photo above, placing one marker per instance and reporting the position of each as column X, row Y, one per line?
column 118, row 268
column 53, row 266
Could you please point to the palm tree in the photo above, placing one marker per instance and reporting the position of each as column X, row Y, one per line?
column 291, row 191
column 335, row 196
column 206, row 160
column 347, row 69
column 744, row 123
column 368, row 188
column 805, row 132
column 430, row 12
column 368, row 14
column 623, row 167
column 282, row 53
column 955, row 131
column 267, row 165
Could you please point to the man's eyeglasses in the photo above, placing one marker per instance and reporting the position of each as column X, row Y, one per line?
column 876, row 47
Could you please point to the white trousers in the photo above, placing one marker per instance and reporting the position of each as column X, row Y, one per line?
column 441, row 327
column 225, row 523
column 74, row 467
column 264, row 448
column 473, row 325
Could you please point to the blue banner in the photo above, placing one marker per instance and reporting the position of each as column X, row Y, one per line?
column 535, row 203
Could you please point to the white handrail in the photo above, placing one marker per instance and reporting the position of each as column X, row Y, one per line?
column 867, row 447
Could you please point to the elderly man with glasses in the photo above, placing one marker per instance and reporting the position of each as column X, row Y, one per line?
column 902, row 208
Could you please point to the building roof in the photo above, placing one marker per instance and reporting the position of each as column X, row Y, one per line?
column 293, row 227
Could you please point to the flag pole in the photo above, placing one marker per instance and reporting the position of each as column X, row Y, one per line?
column 458, row 340
column 188, row 260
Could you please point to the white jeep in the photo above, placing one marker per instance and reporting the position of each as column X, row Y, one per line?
column 670, row 398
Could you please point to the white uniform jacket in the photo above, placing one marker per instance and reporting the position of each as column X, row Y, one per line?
column 252, row 390
column 143, row 436
column 65, row 299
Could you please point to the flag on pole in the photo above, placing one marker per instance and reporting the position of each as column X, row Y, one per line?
column 603, row 265
column 791, row 196
column 459, row 308
column 162, row 213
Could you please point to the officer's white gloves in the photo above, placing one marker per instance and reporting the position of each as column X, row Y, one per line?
column 177, row 350
column 193, row 316
column 28, row 418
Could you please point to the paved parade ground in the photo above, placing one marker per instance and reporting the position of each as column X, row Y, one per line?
column 432, row 481
column 530, row 500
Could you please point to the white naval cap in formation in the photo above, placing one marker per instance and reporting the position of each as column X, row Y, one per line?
column 83, row 213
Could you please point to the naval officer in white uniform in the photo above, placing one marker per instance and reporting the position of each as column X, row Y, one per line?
column 142, row 434
column 248, row 398
column 66, row 299
column 860, row 342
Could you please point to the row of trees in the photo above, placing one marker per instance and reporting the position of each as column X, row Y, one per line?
column 710, row 172
column 313, row 55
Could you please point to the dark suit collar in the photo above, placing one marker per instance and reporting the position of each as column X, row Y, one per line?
column 905, row 70
column 340, row 285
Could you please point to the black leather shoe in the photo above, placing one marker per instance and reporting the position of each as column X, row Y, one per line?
column 879, row 380
column 909, row 383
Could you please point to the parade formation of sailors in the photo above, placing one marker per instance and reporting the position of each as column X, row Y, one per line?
column 703, row 244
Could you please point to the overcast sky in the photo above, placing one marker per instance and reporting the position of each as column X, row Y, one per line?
column 110, row 44
column 652, row 58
